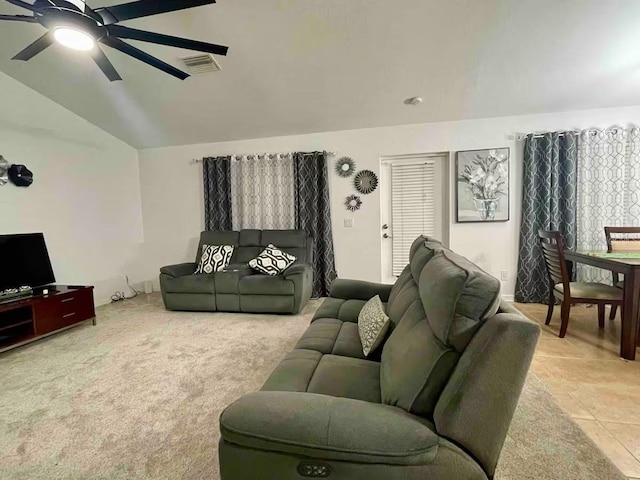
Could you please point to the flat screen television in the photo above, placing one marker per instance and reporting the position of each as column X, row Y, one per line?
column 24, row 261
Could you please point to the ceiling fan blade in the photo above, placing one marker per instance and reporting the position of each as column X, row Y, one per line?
column 22, row 4
column 35, row 48
column 134, row 52
column 145, row 8
column 105, row 65
column 19, row 18
column 161, row 39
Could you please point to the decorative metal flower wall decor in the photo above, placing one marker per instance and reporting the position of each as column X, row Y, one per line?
column 345, row 167
column 353, row 203
column 365, row 181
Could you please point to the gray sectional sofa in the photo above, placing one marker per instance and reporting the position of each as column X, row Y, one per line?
column 239, row 288
column 434, row 402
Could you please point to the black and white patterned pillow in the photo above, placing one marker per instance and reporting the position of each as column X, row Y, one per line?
column 272, row 261
column 373, row 324
column 214, row 258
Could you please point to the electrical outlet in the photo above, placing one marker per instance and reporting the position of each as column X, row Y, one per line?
column 504, row 275
column 348, row 222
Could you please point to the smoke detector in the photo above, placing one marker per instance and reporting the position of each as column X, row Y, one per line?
column 198, row 64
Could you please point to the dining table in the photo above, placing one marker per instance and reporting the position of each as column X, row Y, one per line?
column 628, row 264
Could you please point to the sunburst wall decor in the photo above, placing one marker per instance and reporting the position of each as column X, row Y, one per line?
column 353, row 203
column 345, row 167
column 365, row 181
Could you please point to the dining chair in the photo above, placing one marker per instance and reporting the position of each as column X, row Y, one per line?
column 568, row 292
column 621, row 239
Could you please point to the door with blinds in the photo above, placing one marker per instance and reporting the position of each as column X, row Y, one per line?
column 414, row 202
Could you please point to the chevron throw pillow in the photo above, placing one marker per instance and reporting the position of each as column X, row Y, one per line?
column 272, row 261
column 214, row 258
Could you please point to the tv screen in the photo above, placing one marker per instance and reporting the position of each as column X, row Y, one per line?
column 24, row 261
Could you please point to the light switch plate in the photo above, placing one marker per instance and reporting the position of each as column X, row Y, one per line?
column 348, row 222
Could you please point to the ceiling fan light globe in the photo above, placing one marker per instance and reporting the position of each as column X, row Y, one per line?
column 74, row 39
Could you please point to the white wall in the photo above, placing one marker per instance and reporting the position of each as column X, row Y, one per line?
column 172, row 202
column 85, row 196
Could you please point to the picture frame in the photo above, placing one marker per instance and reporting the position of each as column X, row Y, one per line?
column 482, row 179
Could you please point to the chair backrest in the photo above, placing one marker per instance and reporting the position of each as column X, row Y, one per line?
column 622, row 239
column 553, row 252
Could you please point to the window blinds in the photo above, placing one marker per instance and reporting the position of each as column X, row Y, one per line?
column 413, row 207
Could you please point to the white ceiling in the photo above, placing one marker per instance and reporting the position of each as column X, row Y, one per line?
column 301, row 66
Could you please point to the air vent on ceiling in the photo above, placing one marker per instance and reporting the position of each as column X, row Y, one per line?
column 201, row 64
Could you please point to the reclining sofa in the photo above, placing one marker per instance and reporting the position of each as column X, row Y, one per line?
column 239, row 288
column 434, row 402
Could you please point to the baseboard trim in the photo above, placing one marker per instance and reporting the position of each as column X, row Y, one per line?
column 507, row 298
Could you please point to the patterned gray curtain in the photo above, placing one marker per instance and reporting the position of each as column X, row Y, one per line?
column 549, row 203
column 608, row 186
column 217, row 193
column 313, row 215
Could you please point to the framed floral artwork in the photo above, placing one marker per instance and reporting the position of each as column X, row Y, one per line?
column 482, row 185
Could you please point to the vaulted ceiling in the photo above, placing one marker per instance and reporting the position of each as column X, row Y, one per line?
column 301, row 66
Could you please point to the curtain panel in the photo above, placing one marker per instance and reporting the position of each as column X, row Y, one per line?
column 548, row 203
column 313, row 215
column 608, row 190
column 217, row 193
column 262, row 192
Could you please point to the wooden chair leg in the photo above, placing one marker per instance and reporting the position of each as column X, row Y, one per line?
column 552, row 303
column 601, row 315
column 564, row 313
column 614, row 310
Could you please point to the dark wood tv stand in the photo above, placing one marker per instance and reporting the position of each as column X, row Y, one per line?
column 29, row 318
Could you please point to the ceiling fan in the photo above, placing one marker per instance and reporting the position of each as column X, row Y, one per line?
column 73, row 24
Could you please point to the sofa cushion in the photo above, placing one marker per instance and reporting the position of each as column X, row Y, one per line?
column 373, row 324
column 190, row 284
column 214, row 258
column 246, row 254
column 347, row 433
column 265, row 285
column 442, row 304
column 402, row 295
column 313, row 372
column 457, row 297
column 330, row 335
column 272, row 261
column 227, row 281
column 345, row 310
column 250, row 238
column 217, row 238
column 284, row 238
column 347, row 377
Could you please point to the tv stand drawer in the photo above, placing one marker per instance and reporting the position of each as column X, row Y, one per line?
column 60, row 311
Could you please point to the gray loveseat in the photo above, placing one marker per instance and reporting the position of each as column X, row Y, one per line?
column 239, row 288
column 435, row 401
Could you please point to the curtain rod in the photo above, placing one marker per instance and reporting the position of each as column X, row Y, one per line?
column 258, row 155
column 593, row 131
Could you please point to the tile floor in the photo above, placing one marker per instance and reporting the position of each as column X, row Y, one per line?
column 591, row 382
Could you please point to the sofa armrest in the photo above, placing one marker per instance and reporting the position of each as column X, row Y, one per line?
column 297, row 269
column 331, row 428
column 179, row 270
column 359, row 290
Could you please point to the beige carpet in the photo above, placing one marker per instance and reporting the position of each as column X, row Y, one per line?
column 139, row 395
